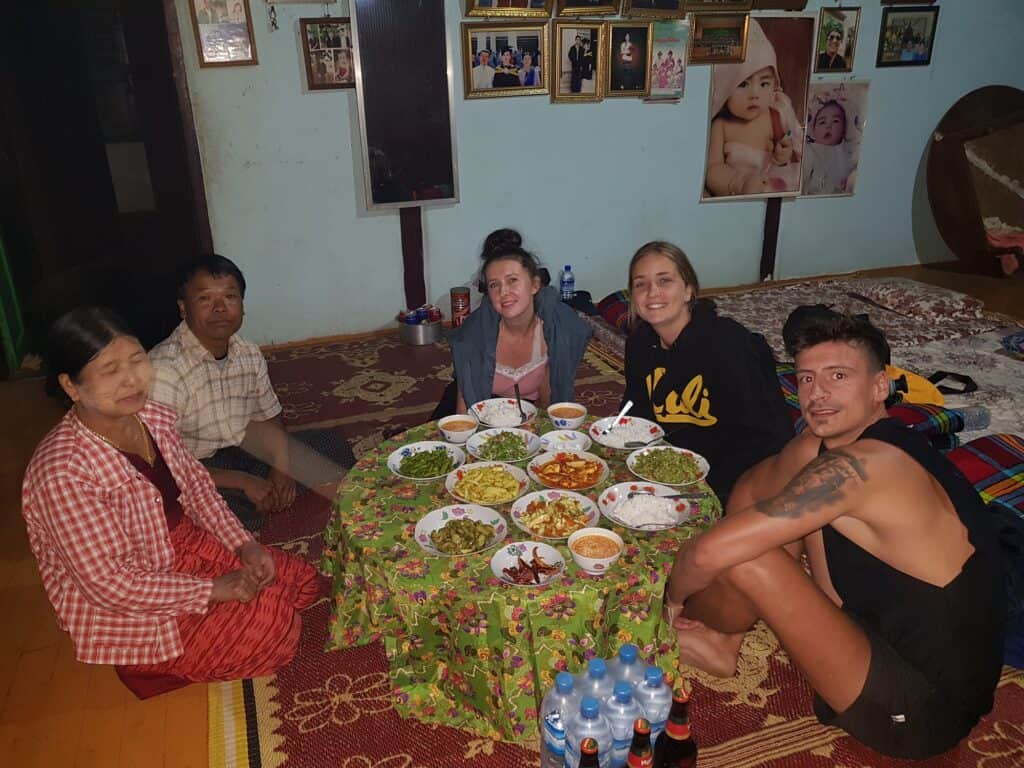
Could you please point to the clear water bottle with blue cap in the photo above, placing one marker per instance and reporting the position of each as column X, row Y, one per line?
column 622, row 710
column 655, row 696
column 560, row 704
column 594, row 680
column 626, row 665
column 567, row 283
column 588, row 722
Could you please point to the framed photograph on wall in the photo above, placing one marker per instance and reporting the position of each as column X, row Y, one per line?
column 670, row 52
column 654, row 9
column 580, row 61
column 719, row 37
column 758, row 113
column 907, row 37
column 327, row 53
column 629, row 59
column 588, row 7
column 717, row 6
column 836, row 117
column 837, row 39
column 504, row 59
column 223, row 30
column 520, row 8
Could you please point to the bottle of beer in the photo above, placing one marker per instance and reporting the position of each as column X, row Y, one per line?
column 675, row 748
column 588, row 753
column 640, row 753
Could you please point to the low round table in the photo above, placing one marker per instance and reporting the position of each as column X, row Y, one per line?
column 465, row 649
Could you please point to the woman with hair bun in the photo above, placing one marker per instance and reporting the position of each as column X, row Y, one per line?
column 521, row 333
column 145, row 565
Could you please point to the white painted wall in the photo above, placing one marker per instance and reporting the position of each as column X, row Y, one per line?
column 585, row 183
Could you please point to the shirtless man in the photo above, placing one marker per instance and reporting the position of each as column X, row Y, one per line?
column 899, row 626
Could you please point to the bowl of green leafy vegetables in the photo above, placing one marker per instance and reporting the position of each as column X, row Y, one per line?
column 425, row 460
column 668, row 464
column 503, row 444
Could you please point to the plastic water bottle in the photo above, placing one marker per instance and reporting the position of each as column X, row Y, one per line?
column 622, row 710
column 588, row 722
column 975, row 417
column 595, row 681
column 624, row 666
column 559, row 705
column 568, row 286
column 656, row 699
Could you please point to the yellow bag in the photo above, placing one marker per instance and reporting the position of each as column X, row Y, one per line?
column 912, row 388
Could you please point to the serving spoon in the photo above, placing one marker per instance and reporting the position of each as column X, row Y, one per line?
column 615, row 421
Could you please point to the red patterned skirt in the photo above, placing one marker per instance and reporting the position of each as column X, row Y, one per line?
column 232, row 640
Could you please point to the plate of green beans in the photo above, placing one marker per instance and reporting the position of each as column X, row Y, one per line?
column 425, row 460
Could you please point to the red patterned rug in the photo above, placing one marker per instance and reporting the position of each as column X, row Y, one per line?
column 334, row 710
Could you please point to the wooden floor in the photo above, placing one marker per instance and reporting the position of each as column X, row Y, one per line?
column 57, row 712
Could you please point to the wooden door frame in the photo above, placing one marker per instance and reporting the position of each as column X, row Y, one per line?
column 194, row 163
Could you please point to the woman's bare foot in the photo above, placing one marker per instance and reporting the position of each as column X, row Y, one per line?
column 713, row 652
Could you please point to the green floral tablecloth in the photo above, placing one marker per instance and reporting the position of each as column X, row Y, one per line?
column 465, row 649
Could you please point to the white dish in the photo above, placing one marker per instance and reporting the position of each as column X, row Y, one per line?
column 628, row 428
column 477, row 442
column 565, row 440
column 508, row 557
column 457, row 474
column 544, row 458
column 395, row 459
column 502, row 412
column 596, row 566
column 568, row 422
column 615, row 495
column 519, row 508
column 702, row 464
column 436, row 520
column 457, row 435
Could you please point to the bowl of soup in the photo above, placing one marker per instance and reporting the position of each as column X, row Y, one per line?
column 567, row 415
column 595, row 550
column 459, row 427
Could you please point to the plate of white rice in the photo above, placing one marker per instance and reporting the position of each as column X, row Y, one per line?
column 628, row 429
column 502, row 412
column 647, row 510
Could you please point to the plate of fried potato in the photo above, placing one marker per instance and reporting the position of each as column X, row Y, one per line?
column 487, row 482
column 460, row 529
column 554, row 514
column 571, row 470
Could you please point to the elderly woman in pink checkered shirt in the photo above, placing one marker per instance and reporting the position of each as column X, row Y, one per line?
column 146, row 567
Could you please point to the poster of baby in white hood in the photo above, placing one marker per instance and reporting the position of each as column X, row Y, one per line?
column 756, row 137
column 836, row 115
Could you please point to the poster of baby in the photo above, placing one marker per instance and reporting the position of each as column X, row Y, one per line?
column 836, row 116
column 757, row 113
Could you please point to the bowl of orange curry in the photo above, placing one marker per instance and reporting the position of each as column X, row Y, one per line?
column 595, row 550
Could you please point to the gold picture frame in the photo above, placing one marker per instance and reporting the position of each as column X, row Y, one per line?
column 718, row 6
column 589, row 7
column 649, row 9
column 223, row 32
column 504, row 8
column 628, row 53
column 520, row 42
column 569, row 80
column 727, row 44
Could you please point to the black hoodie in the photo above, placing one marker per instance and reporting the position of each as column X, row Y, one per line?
column 717, row 386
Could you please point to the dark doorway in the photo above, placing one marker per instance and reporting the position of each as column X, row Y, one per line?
column 101, row 194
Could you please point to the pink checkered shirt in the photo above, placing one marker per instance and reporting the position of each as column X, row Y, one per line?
column 98, row 531
column 215, row 399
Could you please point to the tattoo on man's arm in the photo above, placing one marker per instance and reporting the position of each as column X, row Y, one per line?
column 823, row 482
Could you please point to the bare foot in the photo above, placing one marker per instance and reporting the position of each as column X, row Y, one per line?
column 1009, row 262
column 713, row 652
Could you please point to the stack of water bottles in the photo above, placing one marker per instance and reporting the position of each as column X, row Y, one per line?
column 602, row 702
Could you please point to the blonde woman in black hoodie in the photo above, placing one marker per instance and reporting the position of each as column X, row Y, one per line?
column 705, row 379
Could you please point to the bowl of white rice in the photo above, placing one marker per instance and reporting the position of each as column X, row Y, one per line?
column 647, row 510
column 503, row 412
column 628, row 429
